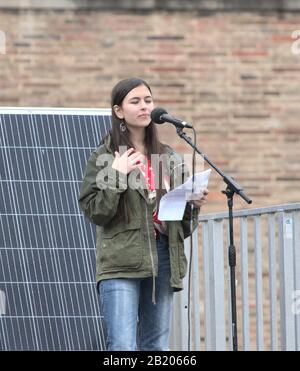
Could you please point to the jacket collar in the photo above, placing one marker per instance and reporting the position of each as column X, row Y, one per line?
column 107, row 140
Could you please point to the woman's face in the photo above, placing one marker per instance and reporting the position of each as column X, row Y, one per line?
column 136, row 107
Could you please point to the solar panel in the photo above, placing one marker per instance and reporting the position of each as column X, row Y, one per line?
column 48, row 297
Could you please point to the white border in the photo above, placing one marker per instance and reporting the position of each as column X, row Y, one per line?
column 56, row 111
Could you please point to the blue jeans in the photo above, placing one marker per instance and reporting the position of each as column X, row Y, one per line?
column 132, row 321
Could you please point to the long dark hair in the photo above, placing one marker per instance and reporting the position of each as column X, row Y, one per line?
column 122, row 138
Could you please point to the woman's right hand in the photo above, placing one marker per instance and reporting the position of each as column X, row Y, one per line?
column 129, row 161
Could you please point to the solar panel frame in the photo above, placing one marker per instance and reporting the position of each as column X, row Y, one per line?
column 48, row 298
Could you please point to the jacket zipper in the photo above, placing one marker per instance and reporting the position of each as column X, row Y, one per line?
column 151, row 257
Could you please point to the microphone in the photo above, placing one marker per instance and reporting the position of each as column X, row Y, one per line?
column 160, row 115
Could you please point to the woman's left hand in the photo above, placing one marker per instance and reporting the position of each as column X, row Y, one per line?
column 202, row 200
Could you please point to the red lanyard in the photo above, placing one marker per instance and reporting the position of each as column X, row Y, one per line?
column 149, row 175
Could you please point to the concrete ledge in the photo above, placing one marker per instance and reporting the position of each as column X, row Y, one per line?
column 151, row 5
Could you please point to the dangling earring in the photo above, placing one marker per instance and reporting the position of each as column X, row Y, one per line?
column 122, row 127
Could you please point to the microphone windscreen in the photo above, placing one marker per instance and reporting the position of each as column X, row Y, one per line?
column 156, row 114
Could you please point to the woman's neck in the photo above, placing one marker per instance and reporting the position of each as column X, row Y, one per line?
column 138, row 139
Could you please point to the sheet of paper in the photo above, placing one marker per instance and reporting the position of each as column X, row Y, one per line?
column 172, row 204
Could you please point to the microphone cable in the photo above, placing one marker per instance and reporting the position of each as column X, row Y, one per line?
column 191, row 245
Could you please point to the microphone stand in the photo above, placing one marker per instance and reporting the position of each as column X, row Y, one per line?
column 232, row 188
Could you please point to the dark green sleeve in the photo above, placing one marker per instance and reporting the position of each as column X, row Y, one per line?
column 101, row 189
column 186, row 220
column 187, row 230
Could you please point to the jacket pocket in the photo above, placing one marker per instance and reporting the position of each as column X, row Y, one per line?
column 119, row 248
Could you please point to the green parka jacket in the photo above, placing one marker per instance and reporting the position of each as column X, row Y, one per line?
column 128, row 250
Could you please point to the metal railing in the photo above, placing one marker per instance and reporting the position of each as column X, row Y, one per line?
column 267, row 242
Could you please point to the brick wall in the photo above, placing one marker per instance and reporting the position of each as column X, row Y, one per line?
column 234, row 75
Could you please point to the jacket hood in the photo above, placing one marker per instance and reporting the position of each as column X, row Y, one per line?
column 106, row 142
